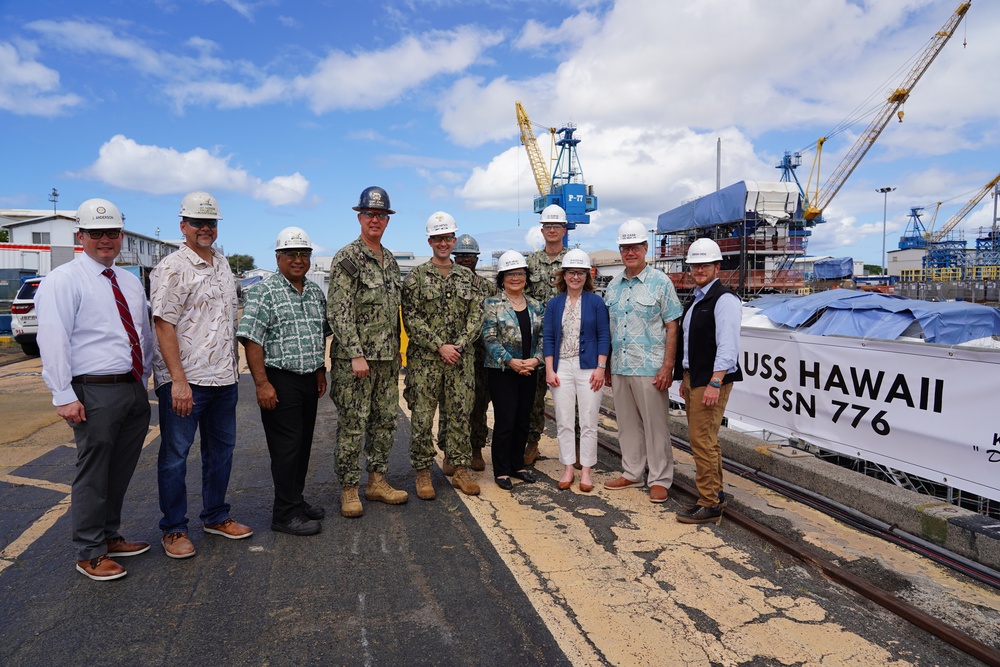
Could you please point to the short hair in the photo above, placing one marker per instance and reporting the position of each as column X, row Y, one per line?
column 527, row 276
column 560, row 283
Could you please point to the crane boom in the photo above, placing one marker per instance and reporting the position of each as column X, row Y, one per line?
column 895, row 100
column 542, row 178
column 957, row 218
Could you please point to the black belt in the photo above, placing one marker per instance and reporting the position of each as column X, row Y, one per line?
column 103, row 379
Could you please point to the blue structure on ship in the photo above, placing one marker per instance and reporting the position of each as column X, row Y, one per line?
column 568, row 187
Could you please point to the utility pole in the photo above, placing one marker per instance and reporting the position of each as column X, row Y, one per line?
column 54, row 197
column 885, row 203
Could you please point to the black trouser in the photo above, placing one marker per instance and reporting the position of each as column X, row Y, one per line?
column 108, row 446
column 513, row 395
column 289, row 432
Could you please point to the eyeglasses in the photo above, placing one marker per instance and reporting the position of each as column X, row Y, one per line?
column 515, row 274
column 443, row 239
column 701, row 267
column 199, row 224
column 627, row 249
column 96, row 234
column 296, row 254
column 553, row 226
column 374, row 214
column 575, row 273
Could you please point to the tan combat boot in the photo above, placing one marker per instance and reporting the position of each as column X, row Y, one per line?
column 447, row 468
column 350, row 504
column 463, row 481
column 379, row 489
column 477, row 459
column 425, row 489
column 531, row 454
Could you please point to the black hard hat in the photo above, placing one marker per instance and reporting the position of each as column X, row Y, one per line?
column 374, row 198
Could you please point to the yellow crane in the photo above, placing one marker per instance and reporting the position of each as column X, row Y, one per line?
column 818, row 199
column 957, row 218
column 538, row 167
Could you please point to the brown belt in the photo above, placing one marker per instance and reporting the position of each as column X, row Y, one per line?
column 103, row 379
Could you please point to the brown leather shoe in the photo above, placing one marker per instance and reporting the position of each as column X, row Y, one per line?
column 229, row 528
column 586, row 488
column 119, row 546
column 101, row 568
column 447, row 468
column 464, row 482
column 350, row 503
column 425, row 487
column 621, row 483
column 531, row 454
column 478, row 464
column 657, row 494
column 380, row 490
column 177, row 545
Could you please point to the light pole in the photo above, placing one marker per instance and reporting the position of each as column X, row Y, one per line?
column 885, row 202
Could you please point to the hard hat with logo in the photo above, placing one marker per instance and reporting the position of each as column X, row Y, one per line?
column 553, row 214
column 510, row 260
column 704, row 251
column 99, row 214
column 465, row 245
column 293, row 238
column 200, row 205
column 441, row 223
column 576, row 259
column 374, row 198
column 631, row 233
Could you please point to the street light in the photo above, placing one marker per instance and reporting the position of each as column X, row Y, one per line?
column 885, row 202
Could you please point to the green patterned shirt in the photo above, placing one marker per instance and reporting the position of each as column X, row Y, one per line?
column 440, row 309
column 543, row 274
column 363, row 304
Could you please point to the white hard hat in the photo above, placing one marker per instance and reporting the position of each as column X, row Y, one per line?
column 441, row 223
column 291, row 238
column 704, row 251
column 631, row 232
column 99, row 214
column 200, row 205
column 553, row 213
column 511, row 259
column 576, row 259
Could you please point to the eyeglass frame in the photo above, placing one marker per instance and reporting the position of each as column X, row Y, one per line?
column 579, row 273
column 98, row 234
column 296, row 254
column 201, row 223
column 381, row 216
column 626, row 249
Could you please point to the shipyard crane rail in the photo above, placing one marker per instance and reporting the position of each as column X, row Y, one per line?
column 821, row 197
column 538, row 166
column 957, row 218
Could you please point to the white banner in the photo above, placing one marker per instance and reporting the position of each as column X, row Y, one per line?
column 928, row 410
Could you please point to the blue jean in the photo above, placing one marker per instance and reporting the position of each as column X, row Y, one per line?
column 214, row 415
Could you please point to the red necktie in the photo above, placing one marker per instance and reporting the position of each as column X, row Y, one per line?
column 123, row 312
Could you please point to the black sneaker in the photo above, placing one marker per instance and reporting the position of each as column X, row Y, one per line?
column 701, row 515
column 314, row 512
column 297, row 525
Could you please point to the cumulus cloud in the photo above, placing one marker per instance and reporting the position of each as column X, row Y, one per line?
column 28, row 88
column 124, row 163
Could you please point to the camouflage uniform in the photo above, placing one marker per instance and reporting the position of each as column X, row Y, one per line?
column 477, row 416
column 363, row 309
column 440, row 309
column 543, row 274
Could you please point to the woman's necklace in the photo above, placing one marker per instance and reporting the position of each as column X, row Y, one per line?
column 516, row 304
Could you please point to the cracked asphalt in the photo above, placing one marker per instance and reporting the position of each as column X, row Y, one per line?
column 536, row 576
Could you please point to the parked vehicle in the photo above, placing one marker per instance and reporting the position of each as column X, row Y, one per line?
column 24, row 321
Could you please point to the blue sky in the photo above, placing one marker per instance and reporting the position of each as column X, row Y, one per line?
column 286, row 110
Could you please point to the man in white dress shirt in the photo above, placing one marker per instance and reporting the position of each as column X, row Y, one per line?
column 97, row 351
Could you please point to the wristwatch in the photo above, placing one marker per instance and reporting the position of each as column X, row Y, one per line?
column 715, row 383
column 602, row 365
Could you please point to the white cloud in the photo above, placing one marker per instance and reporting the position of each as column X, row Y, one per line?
column 536, row 36
column 28, row 88
column 126, row 164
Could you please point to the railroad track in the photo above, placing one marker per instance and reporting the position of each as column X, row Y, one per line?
column 969, row 645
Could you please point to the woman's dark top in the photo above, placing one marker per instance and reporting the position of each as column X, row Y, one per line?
column 524, row 321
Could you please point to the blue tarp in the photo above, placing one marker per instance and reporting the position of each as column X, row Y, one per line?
column 833, row 268
column 745, row 200
column 880, row 316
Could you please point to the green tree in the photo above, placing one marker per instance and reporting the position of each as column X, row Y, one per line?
column 240, row 264
column 873, row 270
column 4, row 237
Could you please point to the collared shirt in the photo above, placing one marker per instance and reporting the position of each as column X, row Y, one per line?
column 541, row 285
column 199, row 299
column 728, row 318
column 640, row 307
column 363, row 304
column 79, row 329
column 290, row 326
column 439, row 309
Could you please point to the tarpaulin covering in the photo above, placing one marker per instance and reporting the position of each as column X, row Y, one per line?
column 834, row 267
column 845, row 312
column 745, row 200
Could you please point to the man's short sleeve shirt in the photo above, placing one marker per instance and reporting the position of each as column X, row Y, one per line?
column 639, row 308
column 289, row 325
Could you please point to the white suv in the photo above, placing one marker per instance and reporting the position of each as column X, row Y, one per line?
column 23, row 320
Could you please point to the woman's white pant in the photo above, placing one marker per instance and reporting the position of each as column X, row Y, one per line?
column 574, row 387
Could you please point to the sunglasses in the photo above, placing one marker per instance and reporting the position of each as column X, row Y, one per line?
column 96, row 234
column 373, row 214
column 198, row 224
column 296, row 254
column 443, row 239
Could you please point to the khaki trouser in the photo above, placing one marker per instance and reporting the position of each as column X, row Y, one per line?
column 703, row 432
column 643, row 429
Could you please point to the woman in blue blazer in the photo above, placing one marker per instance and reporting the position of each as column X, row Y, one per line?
column 576, row 341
